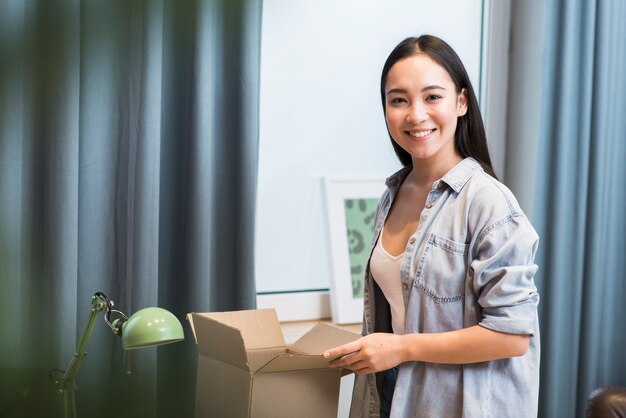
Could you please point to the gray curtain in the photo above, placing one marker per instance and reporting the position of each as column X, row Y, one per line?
column 581, row 203
column 128, row 161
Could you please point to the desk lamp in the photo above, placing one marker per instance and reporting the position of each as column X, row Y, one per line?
column 147, row 327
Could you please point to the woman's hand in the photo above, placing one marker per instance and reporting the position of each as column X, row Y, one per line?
column 369, row 354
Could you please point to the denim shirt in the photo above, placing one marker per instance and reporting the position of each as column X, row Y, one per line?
column 470, row 262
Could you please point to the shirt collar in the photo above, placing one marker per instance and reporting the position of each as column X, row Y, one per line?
column 455, row 178
column 397, row 178
column 461, row 173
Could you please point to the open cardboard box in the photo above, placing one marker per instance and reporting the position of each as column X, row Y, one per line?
column 245, row 369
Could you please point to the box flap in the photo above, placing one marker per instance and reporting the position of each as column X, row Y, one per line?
column 294, row 361
column 259, row 358
column 193, row 330
column 322, row 337
column 219, row 341
column 259, row 328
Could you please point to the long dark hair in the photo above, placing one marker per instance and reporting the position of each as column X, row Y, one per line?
column 469, row 139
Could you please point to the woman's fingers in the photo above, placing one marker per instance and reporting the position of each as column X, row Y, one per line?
column 342, row 350
column 361, row 367
column 368, row 354
column 345, row 360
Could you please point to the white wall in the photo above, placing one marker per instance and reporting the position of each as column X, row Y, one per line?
column 527, row 32
column 321, row 114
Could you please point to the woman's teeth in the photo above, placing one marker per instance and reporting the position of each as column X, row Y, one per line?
column 421, row 134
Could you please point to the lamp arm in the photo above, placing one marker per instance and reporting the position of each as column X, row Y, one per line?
column 116, row 320
column 66, row 386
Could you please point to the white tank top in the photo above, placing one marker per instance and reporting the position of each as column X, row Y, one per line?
column 385, row 269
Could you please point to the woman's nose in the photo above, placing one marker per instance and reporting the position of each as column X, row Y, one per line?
column 416, row 113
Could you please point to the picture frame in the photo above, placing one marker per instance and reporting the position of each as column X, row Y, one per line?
column 351, row 204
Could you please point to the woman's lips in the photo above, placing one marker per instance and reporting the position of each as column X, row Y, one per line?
column 422, row 133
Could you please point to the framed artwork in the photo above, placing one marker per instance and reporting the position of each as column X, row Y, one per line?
column 351, row 206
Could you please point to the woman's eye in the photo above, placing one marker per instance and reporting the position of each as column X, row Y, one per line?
column 431, row 97
column 397, row 100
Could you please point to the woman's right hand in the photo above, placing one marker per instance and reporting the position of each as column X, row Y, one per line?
column 370, row 354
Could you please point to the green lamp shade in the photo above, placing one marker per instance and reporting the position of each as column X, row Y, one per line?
column 149, row 327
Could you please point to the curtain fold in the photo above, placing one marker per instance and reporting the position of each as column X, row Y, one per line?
column 128, row 162
column 580, row 204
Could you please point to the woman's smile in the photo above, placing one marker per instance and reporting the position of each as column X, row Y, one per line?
column 420, row 134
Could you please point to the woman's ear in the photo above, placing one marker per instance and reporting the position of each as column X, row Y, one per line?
column 461, row 107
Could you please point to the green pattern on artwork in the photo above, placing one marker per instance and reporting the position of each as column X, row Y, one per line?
column 360, row 217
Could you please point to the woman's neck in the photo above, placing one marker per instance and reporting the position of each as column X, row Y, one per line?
column 426, row 172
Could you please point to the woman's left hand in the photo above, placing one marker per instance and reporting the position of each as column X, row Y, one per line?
column 370, row 354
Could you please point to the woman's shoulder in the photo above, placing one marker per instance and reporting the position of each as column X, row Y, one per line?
column 493, row 211
column 486, row 193
column 478, row 190
column 491, row 206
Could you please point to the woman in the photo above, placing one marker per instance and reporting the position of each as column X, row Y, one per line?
column 450, row 307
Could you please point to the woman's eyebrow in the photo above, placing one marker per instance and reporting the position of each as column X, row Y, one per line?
column 397, row 90
column 432, row 87
column 404, row 91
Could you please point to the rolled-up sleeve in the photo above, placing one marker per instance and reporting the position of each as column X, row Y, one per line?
column 503, row 276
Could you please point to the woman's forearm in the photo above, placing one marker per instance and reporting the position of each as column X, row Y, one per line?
column 380, row 351
column 469, row 345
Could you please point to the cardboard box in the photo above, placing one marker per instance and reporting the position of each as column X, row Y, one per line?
column 245, row 369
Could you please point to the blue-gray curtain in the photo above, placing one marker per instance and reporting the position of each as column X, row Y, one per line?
column 128, row 161
column 581, row 203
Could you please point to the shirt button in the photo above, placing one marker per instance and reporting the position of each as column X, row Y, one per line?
column 412, row 240
column 405, row 286
column 440, row 185
column 428, row 206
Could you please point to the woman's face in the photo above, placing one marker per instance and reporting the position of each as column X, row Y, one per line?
column 422, row 107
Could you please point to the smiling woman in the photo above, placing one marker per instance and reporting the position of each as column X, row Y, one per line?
column 422, row 106
column 450, row 304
